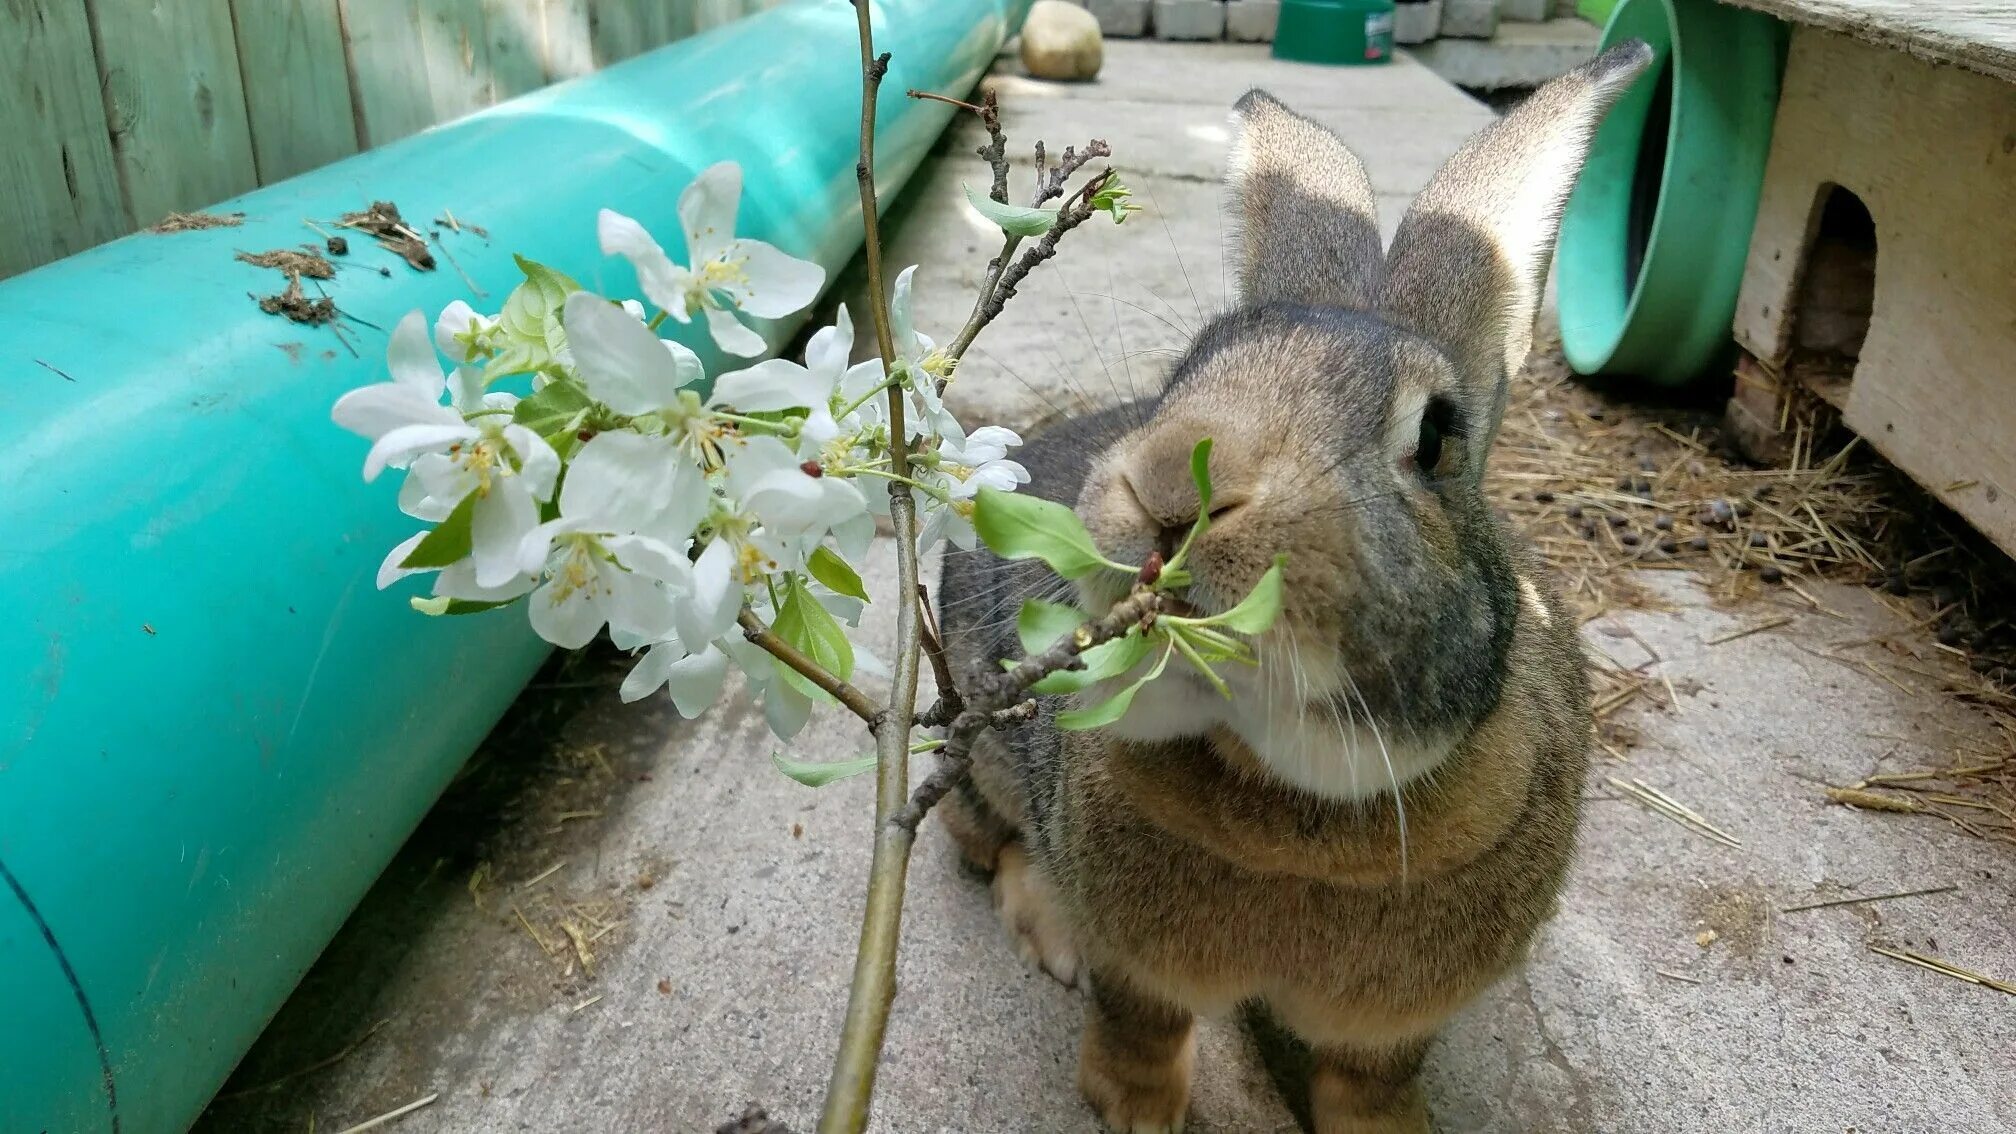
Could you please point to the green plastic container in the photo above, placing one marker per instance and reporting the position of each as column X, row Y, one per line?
column 1655, row 237
column 1338, row 32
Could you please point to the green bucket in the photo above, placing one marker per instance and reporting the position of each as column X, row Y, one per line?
column 1344, row 32
column 1655, row 237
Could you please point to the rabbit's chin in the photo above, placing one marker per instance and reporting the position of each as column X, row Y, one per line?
column 1317, row 746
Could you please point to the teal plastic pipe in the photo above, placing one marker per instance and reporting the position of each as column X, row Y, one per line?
column 214, row 730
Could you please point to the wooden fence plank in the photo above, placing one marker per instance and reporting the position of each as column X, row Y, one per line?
column 59, row 184
column 569, row 48
column 615, row 29
column 297, row 94
column 714, row 13
column 388, row 68
column 175, row 103
column 512, row 46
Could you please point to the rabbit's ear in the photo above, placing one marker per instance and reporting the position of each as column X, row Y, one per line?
column 1469, row 262
column 1304, row 227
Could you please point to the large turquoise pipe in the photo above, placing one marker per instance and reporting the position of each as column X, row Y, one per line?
column 214, row 729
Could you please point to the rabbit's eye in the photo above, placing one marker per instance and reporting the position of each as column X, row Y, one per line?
column 1437, row 421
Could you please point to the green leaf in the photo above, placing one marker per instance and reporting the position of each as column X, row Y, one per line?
column 1015, row 220
column 1173, row 575
column 1198, row 662
column 1040, row 624
column 1114, row 707
column 810, row 627
column 1103, row 661
column 448, row 543
column 838, row 575
column 1016, row 525
column 438, row 605
column 1258, row 610
column 1200, row 471
column 552, row 411
column 819, row 773
column 1112, row 199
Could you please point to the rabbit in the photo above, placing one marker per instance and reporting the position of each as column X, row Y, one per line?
column 1372, row 828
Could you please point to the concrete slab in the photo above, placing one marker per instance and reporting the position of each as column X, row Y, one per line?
column 1252, row 21
column 1189, row 19
column 1472, row 19
column 1122, row 19
column 726, row 896
column 1520, row 55
column 1416, row 21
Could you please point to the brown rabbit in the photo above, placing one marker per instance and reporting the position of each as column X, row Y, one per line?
column 1371, row 830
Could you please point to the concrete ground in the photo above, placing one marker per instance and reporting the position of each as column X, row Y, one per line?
column 642, row 926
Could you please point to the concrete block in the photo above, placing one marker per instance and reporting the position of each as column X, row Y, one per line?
column 1417, row 21
column 1470, row 19
column 1525, row 11
column 1121, row 19
column 1252, row 21
column 1189, row 19
column 1522, row 55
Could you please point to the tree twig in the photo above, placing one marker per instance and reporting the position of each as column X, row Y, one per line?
column 1004, row 272
column 851, row 1088
column 949, row 702
column 766, row 639
column 1000, row 699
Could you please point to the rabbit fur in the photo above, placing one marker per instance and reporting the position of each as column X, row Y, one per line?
column 1372, row 828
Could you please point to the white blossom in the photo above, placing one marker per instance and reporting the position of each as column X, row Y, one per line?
column 507, row 467
column 606, row 558
column 726, row 274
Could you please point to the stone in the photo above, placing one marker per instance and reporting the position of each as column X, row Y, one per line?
column 1252, row 21
column 1061, row 41
column 1470, row 19
column 1525, row 11
column 1121, row 19
column 1189, row 19
column 1416, row 21
column 1521, row 55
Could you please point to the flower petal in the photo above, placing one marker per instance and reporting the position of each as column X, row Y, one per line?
column 414, row 498
column 618, row 479
column 716, row 597
column 776, row 384
column 662, row 281
column 695, row 681
column 646, row 556
column 853, row 535
column 730, row 335
column 537, row 462
column 648, row 675
column 537, row 546
column 638, row 606
column 988, row 443
column 903, row 328
column 566, row 618
column 621, row 362
column 458, row 580
column 398, row 448
column 389, row 572
column 410, row 357
column 773, row 283
column 707, row 211
column 459, row 319
column 375, row 410
column 497, row 529
column 685, row 504
column 831, row 347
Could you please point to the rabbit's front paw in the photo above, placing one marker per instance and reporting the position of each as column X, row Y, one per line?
column 1028, row 908
column 1135, row 1060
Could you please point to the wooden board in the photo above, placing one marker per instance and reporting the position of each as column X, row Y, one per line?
column 387, row 59
column 1977, row 34
column 513, row 48
column 1931, row 152
column 569, row 46
column 297, row 90
column 174, row 103
column 59, row 184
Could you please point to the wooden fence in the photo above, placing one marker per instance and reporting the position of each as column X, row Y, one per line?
column 114, row 113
